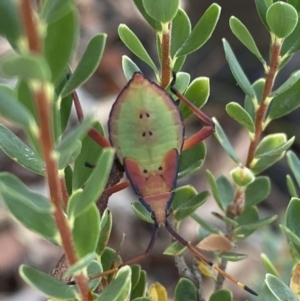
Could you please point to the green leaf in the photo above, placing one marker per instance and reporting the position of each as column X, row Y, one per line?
column 182, row 81
column 259, row 165
column 237, row 71
column 13, row 110
column 201, row 32
column 25, row 66
column 295, row 3
column 94, row 268
column 181, row 28
column 251, row 105
column 185, row 290
column 90, row 152
column 291, row 186
column 197, row 93
column 109, row 258
column 135, row 46
column 257, row 191
column 152, row 22
column 53, row 10
column 282, row 19
column 257, row 224
column 105, row 229
column 248, row 216
column 231, row 256
column 242, row 33
column 161, row 11
column 141, row 299
column 129, row 67
column 178, row 63
column 292, row 80
column 87, row 65
column 285, row 103
column 141, row 212
column 279, row 289
column 14, row 188
column 221, row 189
column 225, row 190
column 221, row 295
column 135, row 275
column 25, row 97
column 205, row 224
column 242, row 176
column 174, row 249
column 182, row 195
column 10, row 22
column 140, row 288
column 214, row 189
column 68, row 172
column 188, row 207
column 294, row 164
column 273, row 145
column 94, row 186
column 239, row 114
column 18, row 151
column 34, row 216
column 295, row 239
column 47, row 284
column 262, row 8
column 291, row 44
column 223, row 140
column 59, row 43
column 191, row 159
column 80, row 266
column 292, row 218
column 268, row 265
column 69, row 147
column 86, row 231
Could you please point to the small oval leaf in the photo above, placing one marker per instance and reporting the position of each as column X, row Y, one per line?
column 239, row 114
column 201, row 32
column 162, row 11
column 87, row 65
column 237, row 71
column 135, row 46
column 282, row 19
column 47, row 284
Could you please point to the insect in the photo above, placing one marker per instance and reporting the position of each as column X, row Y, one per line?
column 147, row 131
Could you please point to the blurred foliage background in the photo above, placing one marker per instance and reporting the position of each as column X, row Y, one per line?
column 19, row 245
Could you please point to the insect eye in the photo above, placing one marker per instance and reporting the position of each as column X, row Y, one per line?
column 160, row 168
column 145, row 171
column 147, row 114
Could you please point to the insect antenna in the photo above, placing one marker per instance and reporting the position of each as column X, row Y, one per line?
column 207, row 261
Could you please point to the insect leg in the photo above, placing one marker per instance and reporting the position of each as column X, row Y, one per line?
column 206, row 130
column 205, row 260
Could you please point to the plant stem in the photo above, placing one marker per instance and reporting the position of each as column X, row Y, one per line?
column 165, row 57
column 260, row 114
column 237, row 206
column 43, row 105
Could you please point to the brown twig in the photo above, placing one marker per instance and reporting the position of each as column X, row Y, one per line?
column 237, row 206
column 165, row 57
column 43, row 105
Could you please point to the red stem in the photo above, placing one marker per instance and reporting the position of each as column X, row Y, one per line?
column 260, row 114
column 43, row 105
column 165, row 57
